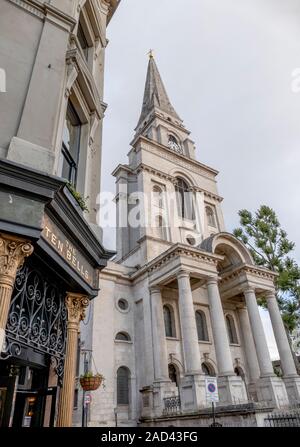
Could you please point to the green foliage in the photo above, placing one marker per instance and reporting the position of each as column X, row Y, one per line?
column 90, row 374
column 78, row 197
column 271, row 248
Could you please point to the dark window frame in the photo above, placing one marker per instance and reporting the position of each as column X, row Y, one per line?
column 201, row 324
column 71, row 154
column 123, row 381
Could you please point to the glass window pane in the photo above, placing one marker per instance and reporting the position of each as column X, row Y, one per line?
column 123, row 386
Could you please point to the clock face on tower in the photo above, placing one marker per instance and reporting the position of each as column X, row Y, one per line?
column 174, row 145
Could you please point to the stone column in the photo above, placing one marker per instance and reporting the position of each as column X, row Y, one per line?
column 223, row 353
column 159, row 336
column 192, row 385
column 232, row 389
column 263, row 355
column 76, row 305
column 290, row 377
column 188, row 324
column 270, row 388
column 13, row 251
column 286, row 358
column 249, row 345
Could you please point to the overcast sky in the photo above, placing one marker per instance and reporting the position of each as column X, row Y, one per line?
column 227, row 66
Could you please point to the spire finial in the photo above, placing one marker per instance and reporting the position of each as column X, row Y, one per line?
column 150, row 54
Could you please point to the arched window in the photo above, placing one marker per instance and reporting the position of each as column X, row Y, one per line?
column 158, row 196
column 122, row 336
column 169, row 322
column 210, row 215
column 208, row 370
column 184, row 199
column 232, row 335
column 161, row 229
column 239, row 372
column 201, row 326
column 123, row 386
column 173, row 376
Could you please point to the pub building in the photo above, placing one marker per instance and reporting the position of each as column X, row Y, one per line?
column 51, row 249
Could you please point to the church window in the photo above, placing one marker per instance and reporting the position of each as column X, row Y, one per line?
column 123, row 304
column 157, row 196
column 169, row 322
column 211, row 218
column 208, row 370
column 173, row 376
column 122, row 336
column 231, row 331
column 71, row 145
column 184, row 200
column 83, row 40
column 239, row 372
column 201, row 326
column 191, row 240
column 161, row 229
column 123, row 386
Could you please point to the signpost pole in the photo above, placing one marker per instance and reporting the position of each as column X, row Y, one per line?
column 213, row 412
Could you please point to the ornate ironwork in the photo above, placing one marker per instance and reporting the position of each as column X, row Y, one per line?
column 37, row 317
column 172, row 405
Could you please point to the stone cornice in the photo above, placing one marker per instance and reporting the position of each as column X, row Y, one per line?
column 143, row 167
column 175, row 251
column 85, row 79
column 181, row 160
column 46, row 11
column 32, row 6
column 113, row 5
column 251, row 269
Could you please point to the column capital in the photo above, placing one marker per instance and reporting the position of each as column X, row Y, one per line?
column 13, row 251
column 248, row 289
column 76, row 304
column 270, row 294
column 154, row 290
column 183, row 274
column 212, row 280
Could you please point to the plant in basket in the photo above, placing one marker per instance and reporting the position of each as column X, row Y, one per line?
column 91, row 382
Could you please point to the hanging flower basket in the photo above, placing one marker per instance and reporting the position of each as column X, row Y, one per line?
column 90, row 381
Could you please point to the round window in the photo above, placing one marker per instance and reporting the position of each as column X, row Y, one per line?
column 123, row 304
column 191, row 240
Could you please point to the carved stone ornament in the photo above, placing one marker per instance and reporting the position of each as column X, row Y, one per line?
column 13, row 252
column 76, row 305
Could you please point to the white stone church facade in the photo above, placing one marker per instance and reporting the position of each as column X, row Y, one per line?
column 180, row 300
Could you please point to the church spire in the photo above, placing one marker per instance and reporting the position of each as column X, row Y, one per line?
column 155, row 96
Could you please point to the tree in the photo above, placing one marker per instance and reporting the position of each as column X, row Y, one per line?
column 271, row 248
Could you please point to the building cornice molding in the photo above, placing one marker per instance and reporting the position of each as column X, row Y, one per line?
column 32, row 6
column 181, row 160
column 253, row 270
column 144, row 167
column 175, row 251
column 85, row 79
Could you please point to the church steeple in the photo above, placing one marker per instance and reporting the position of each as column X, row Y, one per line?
column 155, row 95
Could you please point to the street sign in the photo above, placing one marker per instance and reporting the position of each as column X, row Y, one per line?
column 211, row 387
column 87, row 399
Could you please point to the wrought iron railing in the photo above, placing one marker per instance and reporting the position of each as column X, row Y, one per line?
column 283, row 419
column 172, row 405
